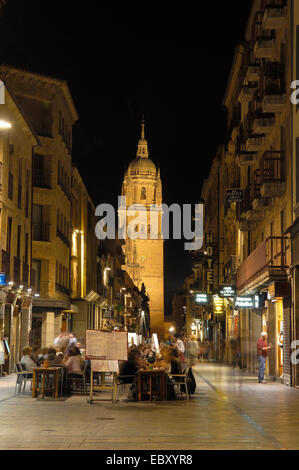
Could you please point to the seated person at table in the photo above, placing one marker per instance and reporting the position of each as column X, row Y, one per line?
column 44, row 354
column 171, row 364
column 54, row 360
column 74, row 363
column 37, row 356
column 26, row 360
column 169, row 360
column 131, row 366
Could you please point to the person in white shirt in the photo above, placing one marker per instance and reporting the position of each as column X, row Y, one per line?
column 179, row 344
column 72, row 340
column 26, row 360
column 57, row 340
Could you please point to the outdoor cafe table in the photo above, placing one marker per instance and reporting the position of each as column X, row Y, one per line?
column 45, row 373
column 145, row 378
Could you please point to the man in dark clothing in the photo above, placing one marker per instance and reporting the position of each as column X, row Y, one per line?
column 262, row 353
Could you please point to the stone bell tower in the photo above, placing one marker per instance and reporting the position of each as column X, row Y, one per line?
column 144, row 255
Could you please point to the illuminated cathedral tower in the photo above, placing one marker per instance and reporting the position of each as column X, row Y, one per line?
column 144, row 256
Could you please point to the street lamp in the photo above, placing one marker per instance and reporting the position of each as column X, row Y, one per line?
column 4, row 124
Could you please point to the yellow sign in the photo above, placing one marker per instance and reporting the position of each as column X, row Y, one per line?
column 218, row 303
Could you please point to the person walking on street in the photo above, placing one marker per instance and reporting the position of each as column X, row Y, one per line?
column 180, row 346
column 262, row 353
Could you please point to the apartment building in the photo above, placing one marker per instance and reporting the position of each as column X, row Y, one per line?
column 48, row 105
column 257, row 251
column 17, row 143
column 84, row 311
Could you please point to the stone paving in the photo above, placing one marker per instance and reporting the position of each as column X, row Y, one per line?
column 230, row 410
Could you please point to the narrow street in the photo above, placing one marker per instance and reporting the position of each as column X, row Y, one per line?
column 230, row 410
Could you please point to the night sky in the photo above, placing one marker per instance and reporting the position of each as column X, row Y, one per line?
column 171, row 63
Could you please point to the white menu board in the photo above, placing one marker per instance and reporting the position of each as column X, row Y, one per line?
column 107, row 345
column 99, row 365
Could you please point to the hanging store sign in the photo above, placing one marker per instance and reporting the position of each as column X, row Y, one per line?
column 234, row 195
column 201, row 298
column 2, row 279
column 210, row 254
column 244, row 301
column 250, row 301
column 227, row 291
column 218, row 305
column 260, row 299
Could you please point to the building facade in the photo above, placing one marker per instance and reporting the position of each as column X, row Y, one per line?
column 17, row 144
column 84, row 309
column 252, row 176
column 144, row 259
column 48, row 105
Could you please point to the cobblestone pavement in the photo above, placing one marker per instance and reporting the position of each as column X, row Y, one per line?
column 230, row 410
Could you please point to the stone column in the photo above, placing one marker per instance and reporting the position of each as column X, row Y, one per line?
column 26, row 327
column 48, row 329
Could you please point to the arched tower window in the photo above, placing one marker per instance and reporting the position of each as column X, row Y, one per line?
column 143, row 193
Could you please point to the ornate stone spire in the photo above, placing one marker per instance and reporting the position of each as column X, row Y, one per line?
column 142, row 150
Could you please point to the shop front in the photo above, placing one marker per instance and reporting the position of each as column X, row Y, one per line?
column 265, row 280
column 15, row 324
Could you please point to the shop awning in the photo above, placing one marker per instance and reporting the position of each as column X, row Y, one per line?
column 73, row 309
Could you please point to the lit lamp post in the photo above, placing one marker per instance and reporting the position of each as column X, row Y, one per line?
column 5, row 124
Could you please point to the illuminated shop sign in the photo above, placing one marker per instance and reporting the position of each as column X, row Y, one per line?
column 218, row 305
column 201, row 298
column 210, row 255
column 227, row 291
column 250, row 301
column 244, row 301
column 2, row 279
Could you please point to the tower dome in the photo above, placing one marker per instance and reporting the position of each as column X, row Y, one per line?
column 142, row 164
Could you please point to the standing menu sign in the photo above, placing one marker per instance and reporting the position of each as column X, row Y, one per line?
column 105, row 348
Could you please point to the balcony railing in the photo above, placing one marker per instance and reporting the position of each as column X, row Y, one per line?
column 247, row 158
column 272, row 167
column 253, row 72
column 41, row 179
column 272, row 174
column 6, row 264
column 41, row 232
column 264, row 47
column 248, row 92
column 275, row 16
column 263, row 123
column 44, row 130
column 255, row 143
column 269, row 258
column 251, row 192
column 273, row 102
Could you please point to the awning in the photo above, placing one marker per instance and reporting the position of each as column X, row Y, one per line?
column 97, row 299
column 74, row 309
column 45, row 303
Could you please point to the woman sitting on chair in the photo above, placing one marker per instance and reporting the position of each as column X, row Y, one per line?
column 26, row 360
column 74, row 363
